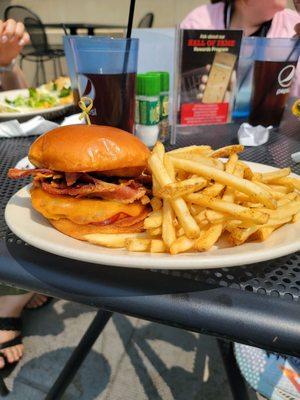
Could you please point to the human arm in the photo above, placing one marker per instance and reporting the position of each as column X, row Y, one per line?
column 13, row 38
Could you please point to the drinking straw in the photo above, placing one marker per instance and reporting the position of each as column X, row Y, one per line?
column 128, row 36
column 65, row 29
column 128, row 43
column 130, row 19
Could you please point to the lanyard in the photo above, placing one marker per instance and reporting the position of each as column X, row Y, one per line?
column 227, row 16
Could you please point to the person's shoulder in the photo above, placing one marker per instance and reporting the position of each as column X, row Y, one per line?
column 290, row 15
column 207, row 16
column 283, row 24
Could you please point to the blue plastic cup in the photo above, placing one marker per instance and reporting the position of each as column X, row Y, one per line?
column 106, row 71
column 71, row 66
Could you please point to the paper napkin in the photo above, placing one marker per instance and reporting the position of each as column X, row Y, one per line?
column 35, row 126
column 249, row 135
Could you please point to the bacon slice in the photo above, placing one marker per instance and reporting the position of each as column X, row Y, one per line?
column 82, row 185
column 72, row 177
column 15, row 173
column 125, row 193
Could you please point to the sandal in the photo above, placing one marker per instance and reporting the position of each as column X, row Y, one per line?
column 8, row 324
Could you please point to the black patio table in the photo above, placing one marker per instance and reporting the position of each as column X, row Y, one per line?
column 254, row 304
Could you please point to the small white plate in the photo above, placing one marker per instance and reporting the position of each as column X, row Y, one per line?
column 27, row 113
column 34, row 229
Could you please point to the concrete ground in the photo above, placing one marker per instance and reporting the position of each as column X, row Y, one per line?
column 132, row 360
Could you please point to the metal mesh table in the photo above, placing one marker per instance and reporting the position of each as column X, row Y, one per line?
column 260, row 300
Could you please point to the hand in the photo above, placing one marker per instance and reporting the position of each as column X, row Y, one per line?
column 297, row 30
column 13, row 38
column 204, row 79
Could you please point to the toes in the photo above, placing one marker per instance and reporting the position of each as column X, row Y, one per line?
column 41, row 299
column 9, row 355
column 37, row 301
column 12, row 354
column 15, row 354
column 32, row 303
column 20, row 350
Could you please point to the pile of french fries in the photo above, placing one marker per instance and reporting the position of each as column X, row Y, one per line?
column 200, row 198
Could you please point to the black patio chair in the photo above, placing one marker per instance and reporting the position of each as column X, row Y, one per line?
column 146, row 21
column 39, row 51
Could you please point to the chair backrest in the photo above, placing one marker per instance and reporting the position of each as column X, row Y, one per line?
column 38, row 37
column 19, row 13
column 146, row 21
column 33, row 24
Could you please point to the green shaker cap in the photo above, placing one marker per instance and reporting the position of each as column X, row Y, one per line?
column 164, row 80
column 151, row 85
column 139, row 84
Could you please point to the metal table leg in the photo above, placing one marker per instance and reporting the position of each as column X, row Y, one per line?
column 235, row 379
column 79, row 354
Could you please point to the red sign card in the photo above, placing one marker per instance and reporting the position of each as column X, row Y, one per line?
column 201, row 114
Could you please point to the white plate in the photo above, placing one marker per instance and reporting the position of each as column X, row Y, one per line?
column 28, row 113
column 36, row 230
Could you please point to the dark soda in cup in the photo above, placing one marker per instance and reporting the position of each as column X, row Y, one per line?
column 272, row 81
column 106, row 69
column 113, row 94
column 274, row 70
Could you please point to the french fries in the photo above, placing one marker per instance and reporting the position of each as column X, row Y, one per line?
column 168, row 229
column 198, row 198
column 212, row 162
column 268, row 177
column 204, row 150
column 154, row 220
column 137, row 245
column 182, row 212
column 208, row 237
column 235, row 210
column 255, row 192
column 112, row 240
column 157, row 246
column 179, row 189
column 228, row 151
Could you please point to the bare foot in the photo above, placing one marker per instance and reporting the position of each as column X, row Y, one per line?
column 11, row 306
column 36, row 301
column 10, row 354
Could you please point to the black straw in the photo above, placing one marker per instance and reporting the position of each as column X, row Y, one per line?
column 65, row 29
column 130, row 19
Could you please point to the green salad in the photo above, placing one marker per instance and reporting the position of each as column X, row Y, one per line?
column 40, row 99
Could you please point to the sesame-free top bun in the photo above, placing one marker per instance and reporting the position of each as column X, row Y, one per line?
column 87, row 148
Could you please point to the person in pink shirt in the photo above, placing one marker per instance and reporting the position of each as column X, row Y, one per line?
column 269, row 18
column 264, row 18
